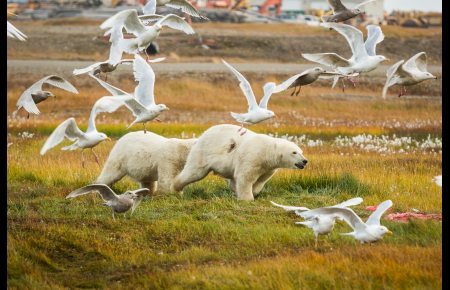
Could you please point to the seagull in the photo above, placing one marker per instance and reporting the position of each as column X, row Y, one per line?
column 117, row 203
column 256, row 113
column 142, row 103
column 438, row 180
column 184, row 5
column 368, row 232
column 341, row 13
column 308, row 77
column 320, row 224
column 83, row 140
column 34, row 94
column 13, row 32
column 364, row 58
column 145, row 35
column 115, row 56
column 408, row 73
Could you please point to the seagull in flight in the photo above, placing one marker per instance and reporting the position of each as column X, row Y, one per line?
column 342, row 13
column 34, row 94
column 145, row 35
column 368, row 232
column 118, row 203
column 364, row 58
column 408, row 73
column 142, row 102
column 150, row 7
column 320, row 224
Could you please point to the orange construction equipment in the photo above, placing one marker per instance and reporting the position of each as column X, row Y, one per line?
column 264, row 9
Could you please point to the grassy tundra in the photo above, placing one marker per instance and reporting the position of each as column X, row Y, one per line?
column 357, row 145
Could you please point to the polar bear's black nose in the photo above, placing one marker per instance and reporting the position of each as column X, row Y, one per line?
column 305, row 161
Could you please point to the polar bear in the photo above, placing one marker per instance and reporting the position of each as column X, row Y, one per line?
column 248, row 161
column 148, row 158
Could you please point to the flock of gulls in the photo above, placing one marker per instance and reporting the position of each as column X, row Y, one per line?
column 141, row 102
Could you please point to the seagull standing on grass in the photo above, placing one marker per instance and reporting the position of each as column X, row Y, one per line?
column 145, row 35
column 364, row 58
column 34, row 94
column 142, row 103
column 117, row 203
column 408, row 73
column 320, row 224
column 342, row 13
column 368, row 232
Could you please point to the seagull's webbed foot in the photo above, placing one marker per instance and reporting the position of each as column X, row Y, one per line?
column 343, row 85
column 402, row 92
column 295, row 88
column 243, row 132
column 158, row 120
column 299, row 89
column 350, row 79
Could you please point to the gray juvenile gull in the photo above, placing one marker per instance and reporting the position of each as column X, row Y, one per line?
column 142, row 102
column 408, row 73
column 368, row 232
column 308, row 77
column 34, row 94
column 342, row 13
column 117, row 203
column 320, row 224
column 184, row 5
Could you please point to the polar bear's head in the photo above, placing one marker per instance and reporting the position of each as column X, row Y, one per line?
column 290, row 155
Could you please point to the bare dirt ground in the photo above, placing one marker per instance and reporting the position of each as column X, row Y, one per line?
column 81, row 39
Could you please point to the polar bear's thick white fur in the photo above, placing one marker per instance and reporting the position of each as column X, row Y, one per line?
column 148, row 158
column 248, row 161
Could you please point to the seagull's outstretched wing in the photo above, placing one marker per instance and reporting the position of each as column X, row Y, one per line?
column 350, row 202
column 145, row 76
column 26, row 100
column 68, row 129
column 141, row 192
column 112, row 89
column 329, row 59
column 150, row 18
column 126, row 18
column 337, row 6
column 364, row 3
column 290, row 208
column 347, row 214
column 392, row 76
column 149, row 7
column 268, row 90
column 105, row 191
column 417, row 62
column 115, row 51
column 374, row 36
column 374, row 218
column 353, row 36
column 13, row 32
column 105, row 105
column 186, row 7
column 287, row 83
column 80, row 71
column 175, row 22
column 245, row 87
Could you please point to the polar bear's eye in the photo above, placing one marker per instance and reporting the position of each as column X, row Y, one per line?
column 294, row 152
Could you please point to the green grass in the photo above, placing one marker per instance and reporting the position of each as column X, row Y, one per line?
column 206, row 239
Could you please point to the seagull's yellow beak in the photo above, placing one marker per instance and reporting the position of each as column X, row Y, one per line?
column 389, row 233
column 107, row 138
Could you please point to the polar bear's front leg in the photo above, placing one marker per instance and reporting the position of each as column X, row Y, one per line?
column 244, row 186
column 259, row 184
